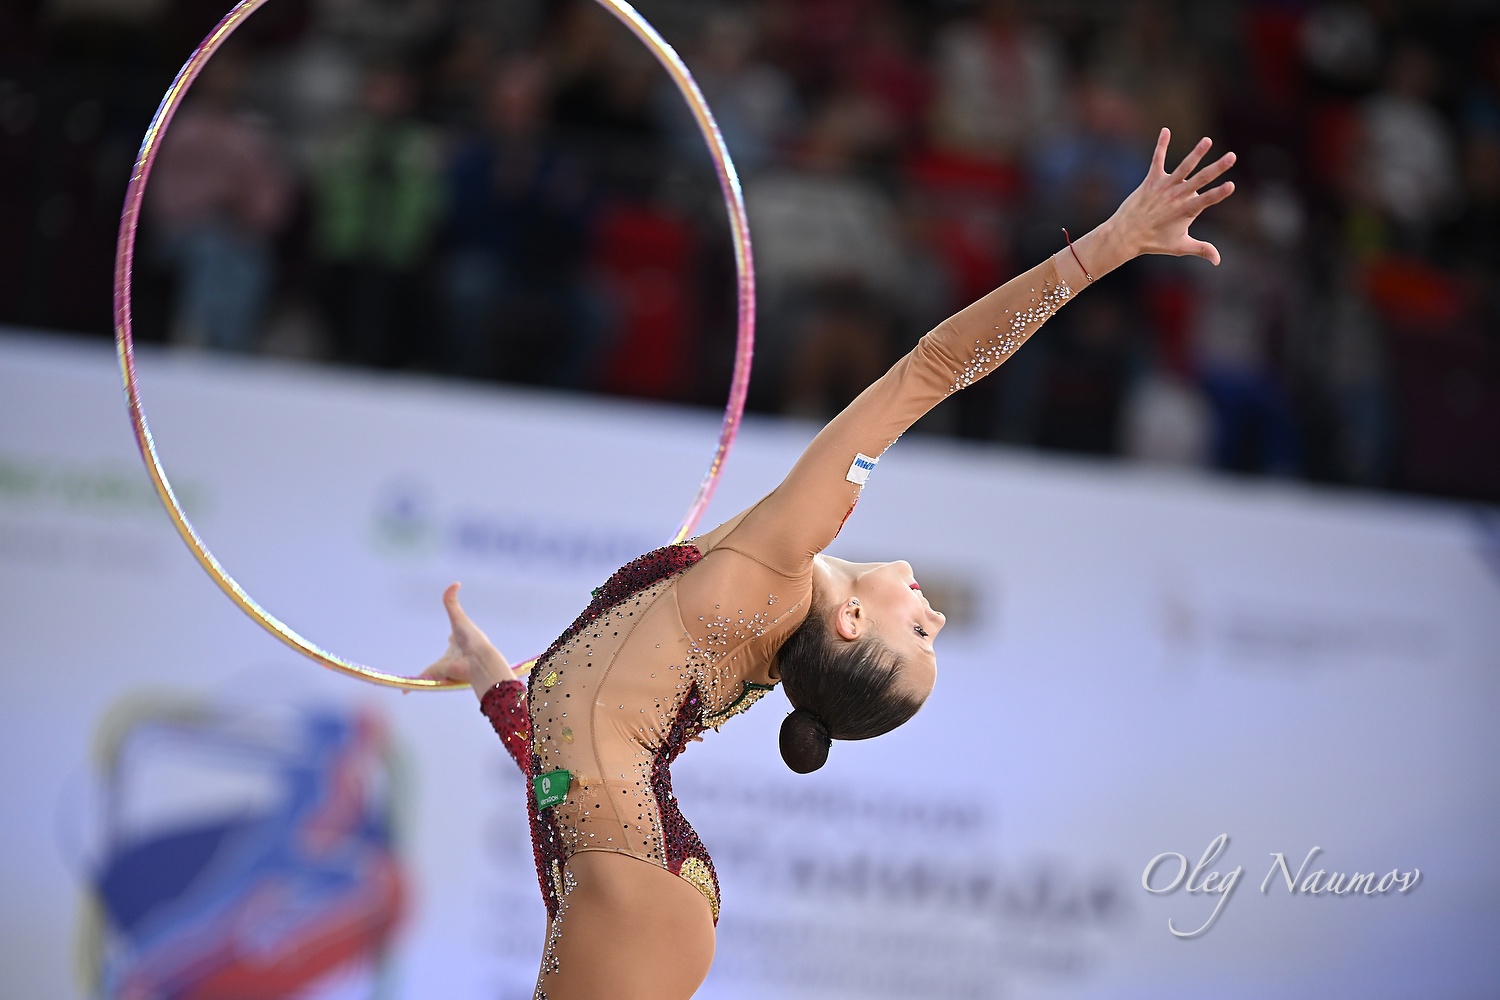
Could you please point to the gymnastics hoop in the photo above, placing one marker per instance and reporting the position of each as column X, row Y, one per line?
column 734, row 203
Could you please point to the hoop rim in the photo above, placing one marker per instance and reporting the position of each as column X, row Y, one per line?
column 734, row 203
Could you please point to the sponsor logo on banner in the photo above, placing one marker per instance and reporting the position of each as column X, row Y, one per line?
column 100, row 516
column 404, row 525
column 409, row 524
column 1254, row 634
column 96, row 488
column 243, row 854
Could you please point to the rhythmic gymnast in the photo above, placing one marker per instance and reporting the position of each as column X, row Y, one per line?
column 690, row 635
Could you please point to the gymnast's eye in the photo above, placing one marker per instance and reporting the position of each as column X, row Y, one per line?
column 920, row 631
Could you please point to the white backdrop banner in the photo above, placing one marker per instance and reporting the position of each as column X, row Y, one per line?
column 1190, row 737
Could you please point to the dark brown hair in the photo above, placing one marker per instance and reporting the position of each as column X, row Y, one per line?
column 840, row 689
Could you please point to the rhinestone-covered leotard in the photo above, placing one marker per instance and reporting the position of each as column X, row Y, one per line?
column 629, row 806
column 685, row 637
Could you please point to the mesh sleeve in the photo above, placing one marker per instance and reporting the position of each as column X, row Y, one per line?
column 802, row 516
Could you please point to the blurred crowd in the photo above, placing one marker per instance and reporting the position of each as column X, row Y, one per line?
column 514, row 190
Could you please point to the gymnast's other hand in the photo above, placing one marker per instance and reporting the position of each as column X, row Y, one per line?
column 1155, row 217
column 470, row 656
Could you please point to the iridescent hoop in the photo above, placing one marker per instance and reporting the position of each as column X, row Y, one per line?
column 125, row 253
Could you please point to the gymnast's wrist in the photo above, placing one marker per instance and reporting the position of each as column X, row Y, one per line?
column 496, row 689
column 483, row 679
column 1088, row 258
column 1112, row 244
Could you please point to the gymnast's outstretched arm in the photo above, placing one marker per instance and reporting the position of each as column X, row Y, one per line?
column 802, row 515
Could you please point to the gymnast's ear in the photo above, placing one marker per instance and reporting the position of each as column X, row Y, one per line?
column 849, row 620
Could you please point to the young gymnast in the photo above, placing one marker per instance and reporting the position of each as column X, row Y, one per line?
column 692, row 634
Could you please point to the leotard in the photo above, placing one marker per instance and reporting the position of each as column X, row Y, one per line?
column 684, row 638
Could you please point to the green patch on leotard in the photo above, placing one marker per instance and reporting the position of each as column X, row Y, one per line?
column 551, row 788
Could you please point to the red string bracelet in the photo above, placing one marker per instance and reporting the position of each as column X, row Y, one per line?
column 1075, row 256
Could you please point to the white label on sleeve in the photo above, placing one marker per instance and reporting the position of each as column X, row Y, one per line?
column 861, row 469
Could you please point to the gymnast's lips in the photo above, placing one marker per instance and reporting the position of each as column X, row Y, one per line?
column 915, row 586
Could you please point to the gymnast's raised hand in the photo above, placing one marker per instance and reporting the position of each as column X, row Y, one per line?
column 470, row 658
column 1160, row 210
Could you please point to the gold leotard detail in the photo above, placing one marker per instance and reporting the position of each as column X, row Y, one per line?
column 696, row 871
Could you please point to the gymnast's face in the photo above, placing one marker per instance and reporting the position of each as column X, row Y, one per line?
column 887, row 601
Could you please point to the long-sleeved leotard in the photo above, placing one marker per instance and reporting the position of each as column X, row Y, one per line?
column 684, row 638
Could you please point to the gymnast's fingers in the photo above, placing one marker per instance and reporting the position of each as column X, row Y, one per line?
column 1207, row 251
column 1192, row 159
column 1159, row 156
column 456, row 615
column 447, row 673
column 1212, row 172
column 1212, row 196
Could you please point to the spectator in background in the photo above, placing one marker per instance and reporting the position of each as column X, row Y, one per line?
column 376, row 205
column 811, row 39
column 1340, row 45
column 898, row 157
column 1088, row 372
column 885, row 64
column 1165, row 421
column 1409, row 149
column 1078, row 168
column 603, row 93
column 1480, row 103
column 819, row 223
column 1244, row 307
column 458, row 80
column 1067, row 392
column 1000, row 80
column 1341, row 351
column 314, row 91
column 843, row 343
column 515, row 301
column 1159, row 73
column 753, row 101
column 1472, row 244
column 220, row 195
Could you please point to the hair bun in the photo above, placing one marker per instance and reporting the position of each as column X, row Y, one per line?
column 804, row 741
